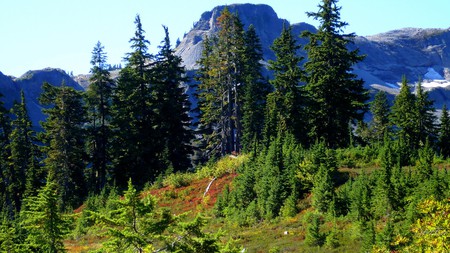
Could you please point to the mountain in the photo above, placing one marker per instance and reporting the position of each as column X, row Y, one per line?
column 419, row 54
column 31, row 84
column 267, row 24
column 416, row 53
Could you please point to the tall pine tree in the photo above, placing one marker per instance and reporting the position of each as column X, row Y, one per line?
column 99, row 116
column 133, row 117
column 174, row 132
column 221, row 85
column 21, row 145
column 284, row 105
column 64, row 139
column 255, row 92
column 380, row 110
column 404, row 116
column 336, row 97
column 426, row 128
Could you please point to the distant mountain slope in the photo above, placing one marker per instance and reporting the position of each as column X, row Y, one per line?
column 416, row 53
column 31, row 83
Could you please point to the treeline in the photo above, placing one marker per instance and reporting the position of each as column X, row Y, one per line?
column 135, row 127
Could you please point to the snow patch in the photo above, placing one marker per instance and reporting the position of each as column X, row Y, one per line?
column 432, row 74
column 435, row 84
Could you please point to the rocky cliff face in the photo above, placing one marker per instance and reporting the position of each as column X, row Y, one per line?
column 31, row 83
column 415, row 53
column 267, row 25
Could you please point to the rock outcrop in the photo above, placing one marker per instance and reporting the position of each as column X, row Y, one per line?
column 267, row 24
column 415, row 53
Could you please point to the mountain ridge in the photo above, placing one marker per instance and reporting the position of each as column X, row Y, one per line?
column 417, row 53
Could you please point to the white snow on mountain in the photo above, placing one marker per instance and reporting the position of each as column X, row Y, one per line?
column 429, row 84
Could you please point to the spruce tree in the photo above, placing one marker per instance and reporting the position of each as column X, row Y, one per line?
column 221, row 86
column 5, row 130
column 426, row 128
column 425, row 161
column 268, row 187
column 336, row 97
column 64, row 140
column 313, row 235
column 380, row 110
column 382, row 201
column 133, row 117
column 444, row 133
column 255, row 92
column 134, row 225
column 21, row 146
column 284, row 105
column 173, row 132
column 208, row 109
column 404, row 116
column 99, row 116
column 41, row 218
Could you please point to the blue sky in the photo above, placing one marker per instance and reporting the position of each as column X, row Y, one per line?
column 62, row 33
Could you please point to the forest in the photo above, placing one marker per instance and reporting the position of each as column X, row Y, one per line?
column 115, row 167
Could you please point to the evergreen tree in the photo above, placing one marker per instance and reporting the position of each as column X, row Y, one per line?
column 323, row 190
column 221, row 86
column 444, row 133
column 324, row 179
column 284, row 105
column 174, row 133
column 209, row 108
column 380, row 110
column 190, row 238
column 42, row 220
column 255, row 91
column 134, row 225
column 360, row 198
column 5, row 130
column 99, row 116
column 336, row 97
column 133, row 117
column 21, row 146
column 313, row 235
column 425, row 115
column 425, row 161
column 404, row 117
column 269, row 187
column 64, row 140
column 382, row 201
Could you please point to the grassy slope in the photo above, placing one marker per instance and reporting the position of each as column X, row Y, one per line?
column 280, row 235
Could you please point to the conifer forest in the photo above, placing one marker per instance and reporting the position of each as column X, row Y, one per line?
column 303, row 159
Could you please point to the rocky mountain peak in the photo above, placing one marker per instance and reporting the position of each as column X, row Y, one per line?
column 267, row 24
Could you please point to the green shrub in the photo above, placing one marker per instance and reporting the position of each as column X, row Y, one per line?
column 313, row 235
column 226, row 165
column 178, row 180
